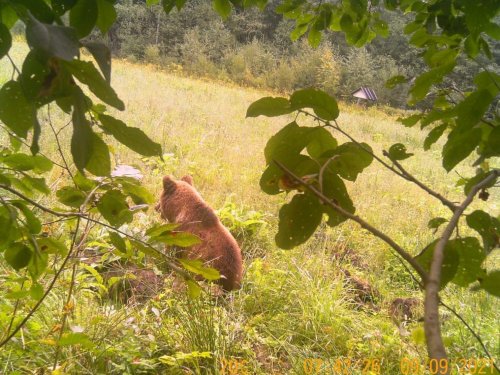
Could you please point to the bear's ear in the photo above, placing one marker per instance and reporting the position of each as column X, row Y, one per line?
column 169, row 185
column 187, row 178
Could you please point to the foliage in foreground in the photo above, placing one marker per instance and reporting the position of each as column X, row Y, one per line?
column 49, row 76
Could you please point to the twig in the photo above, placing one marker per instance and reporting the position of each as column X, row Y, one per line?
column 452, row 206
column 40, row 301
column 435, row 346
column 59, row 148
column 172, row 265
column 401, row 173
column 377, row 233
column 27, row 145
column 478, row 338
column 70, row 291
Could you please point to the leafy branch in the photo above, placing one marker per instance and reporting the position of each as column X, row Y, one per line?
column 435, row 344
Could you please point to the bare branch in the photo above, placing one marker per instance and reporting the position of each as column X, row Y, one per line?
column 377, row 233
column 452, row 206
column 435, row 346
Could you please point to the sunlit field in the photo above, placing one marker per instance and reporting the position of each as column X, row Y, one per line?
column 297, row 312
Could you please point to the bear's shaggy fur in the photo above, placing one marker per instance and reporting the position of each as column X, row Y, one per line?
column 181, row 203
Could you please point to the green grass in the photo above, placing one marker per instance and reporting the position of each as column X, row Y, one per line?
column 294, row 305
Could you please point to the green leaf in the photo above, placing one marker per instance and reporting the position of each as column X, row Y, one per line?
column 60, row 7
column 57, row 41
column 18, row 255
column 32, row 222
column 49, row 245
column 436, row 222
column 223, row 7
column 69, row 339
column 70, row 196
column 471, row 257
column 450, row 261
column 36, row 291
column 477, row 179
column 321, row 142
column 114, row 208
column 36, row 184
column 398, row 152
column 394, row 81
column 472, row 109
column 323, row 105
column 99, row 163
column 462, row 261
column 87, row 74
column 335, row 189
column 146, row 250
column 424, row 82
column 133, row 138
column 269, row 107
column 161, row 229
column 106, row 15
column 102, row 56
column 181, row 239
column 488, row 228
column 298, row 220
column 314, row 37
column 351, row 160
column 197, row 266
column 138, row 193
column 5, row 40
column 194, row 290
column 491, row 282
column 83, row 17
column 8, row 16
column 460, row 144
column 15, row 111
column 23, row 162
column 288, row 142
column 118, row 241
column 8, row 216
column 492, row 145
column 82, row 141
column 272, row 177
column 411, row 120
column 434, row 135
column 38, row 265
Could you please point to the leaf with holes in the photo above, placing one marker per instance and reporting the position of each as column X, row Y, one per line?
column 351, row 160
column 56, row 41
column 398, row 152
column 335, row 189
column 298, row 220
column 15, row 111
column 114, row 208
column 70, row 196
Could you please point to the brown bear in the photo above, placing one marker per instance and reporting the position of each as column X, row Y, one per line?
column 181, row 203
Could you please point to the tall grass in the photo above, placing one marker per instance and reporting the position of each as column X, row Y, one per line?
column 294, row 305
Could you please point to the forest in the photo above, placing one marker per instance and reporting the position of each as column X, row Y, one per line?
column 190, row 187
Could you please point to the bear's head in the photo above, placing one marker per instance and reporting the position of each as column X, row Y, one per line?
column 175, row 194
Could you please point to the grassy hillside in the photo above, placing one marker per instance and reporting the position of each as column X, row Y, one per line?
column 294, row 305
